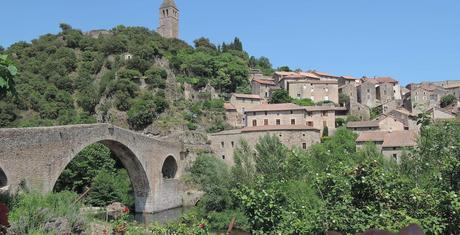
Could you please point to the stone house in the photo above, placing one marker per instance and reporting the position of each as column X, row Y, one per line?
column 384, row 123
column 424, row 97
column 391, row 144
column 239, row 103
column 374, row 92
column 302, row 85
column 317, row 117
column 262, row 87
column 223, row 144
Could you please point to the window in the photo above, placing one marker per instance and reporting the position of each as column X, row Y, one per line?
column 324, row 114
column 254, row 122
column 266, row 113
column 278, row 122
column 395, row 157
column 223, row 157
column 233, row 144
column 303, row 135
column 304, row 145
column 292, row 121
column 266, row 94
column 298, row 95
column 281, row 135
column 222, row 144
column 292, row 112
column 310, row 124
column 254, row 113
column 266, row 122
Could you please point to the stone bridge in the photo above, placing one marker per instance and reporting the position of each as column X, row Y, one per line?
column 36, row 157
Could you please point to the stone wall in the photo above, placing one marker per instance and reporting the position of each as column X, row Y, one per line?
column 224, row 144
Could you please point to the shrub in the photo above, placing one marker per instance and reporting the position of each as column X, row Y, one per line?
column 448, row 100
column 30, row 211
column 304, row 102
column 156, row 77
column 108, row 187
column 141, row 113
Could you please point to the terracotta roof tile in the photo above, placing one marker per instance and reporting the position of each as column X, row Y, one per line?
column 275, row 107
column 247, row 96
column 400, row 139
column 380, row 80
column 369, row 136
column 265, row 81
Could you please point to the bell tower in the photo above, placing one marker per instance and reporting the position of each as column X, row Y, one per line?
column 169, row 20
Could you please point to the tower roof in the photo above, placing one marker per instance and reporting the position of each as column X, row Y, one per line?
column 168, row 3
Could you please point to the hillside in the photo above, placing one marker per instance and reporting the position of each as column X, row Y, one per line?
column 128, row 76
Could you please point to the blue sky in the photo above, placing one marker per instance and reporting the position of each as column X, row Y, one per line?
column 410, row 40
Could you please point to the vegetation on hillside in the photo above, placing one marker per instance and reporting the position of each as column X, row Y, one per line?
column 71, row 77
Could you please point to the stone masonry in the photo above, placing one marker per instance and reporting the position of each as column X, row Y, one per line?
column 36, row 157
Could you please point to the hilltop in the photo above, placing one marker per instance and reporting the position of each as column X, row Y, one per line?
column 129, row 76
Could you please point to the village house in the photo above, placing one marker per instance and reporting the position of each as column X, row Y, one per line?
column 239, row 103
column 374, row 92
column 384, row 123
column 423, row 97
column 319, row 117
column 392, row 144
column 223, row 144
column 263, row 87
column 301, row 85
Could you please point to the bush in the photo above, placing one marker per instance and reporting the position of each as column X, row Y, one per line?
column 7, row 114
column 141, row 113
column 280, row 96
column 448, row 100
column 304, row 102
column 156, row 77
column 30, row 211
column 108, row 187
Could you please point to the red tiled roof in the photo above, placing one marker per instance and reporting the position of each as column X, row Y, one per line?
column 275, row 107
column 368, row 136
column 229, row 106
column 380, row 80
column 400, row 139
column 320, row 108
column 264, row 81
column 297, row 75
column 363, row 124
column 247, row 96
column 316, row 81
column 428, row 87
column 278, row 128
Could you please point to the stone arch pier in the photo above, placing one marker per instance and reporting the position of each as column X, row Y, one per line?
column 36, row 157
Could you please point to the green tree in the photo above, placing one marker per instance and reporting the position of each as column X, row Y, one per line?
column 448, row 100
column 280, row 96
column 111, row 186
column 304, row 102
column 8, row 72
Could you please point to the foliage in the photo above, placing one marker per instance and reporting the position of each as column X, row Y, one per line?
column 30, row 211
column 214, row 178
column 109, row 186
column 344, row 100
column 304, row 102
column 280, row 96
column 448, row 100
column 8, row 73
column 144, row 109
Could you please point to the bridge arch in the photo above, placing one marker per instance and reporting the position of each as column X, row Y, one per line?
column 3, row 178
column 136, row 171
column 169, row 168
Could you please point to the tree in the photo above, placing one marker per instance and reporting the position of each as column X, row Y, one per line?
column 204, row 43
column 284, row 69
column 448, row 100
column 280, row 96
column 344, row 100
column 8, row 73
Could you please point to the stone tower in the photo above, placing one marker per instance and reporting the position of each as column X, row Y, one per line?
column 169, row 20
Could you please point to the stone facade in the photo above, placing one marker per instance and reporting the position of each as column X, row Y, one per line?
column 386, row 123
column 223, row 144
column 169, row 20
column 424, row 97
column 36, row 157
column 262, row 87
column 317, row 117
